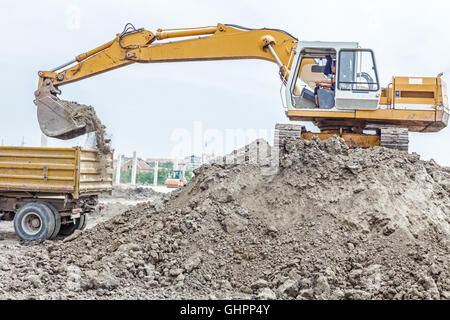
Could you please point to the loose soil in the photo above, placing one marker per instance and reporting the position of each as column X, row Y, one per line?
column 86, row 114
column 331, row 223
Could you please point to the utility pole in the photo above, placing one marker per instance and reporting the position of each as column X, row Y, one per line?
column 203, row 152
column 133, row 170
column 118, row 169
column 155, row 174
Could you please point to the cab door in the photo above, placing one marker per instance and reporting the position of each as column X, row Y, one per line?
column 357, row 85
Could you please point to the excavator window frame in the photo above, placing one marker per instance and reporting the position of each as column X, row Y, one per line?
column 375, row 69
column 315, row 53
column 309, row 53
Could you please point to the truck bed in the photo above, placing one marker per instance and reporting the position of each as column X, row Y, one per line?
column 58, row 171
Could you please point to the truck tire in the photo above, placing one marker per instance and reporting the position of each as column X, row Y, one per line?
column 84, row 224
column 57, row 221
column 34, row 221
column 68, row 229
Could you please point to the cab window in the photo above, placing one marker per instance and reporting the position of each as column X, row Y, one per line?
column 176, row 175
column 357, row 71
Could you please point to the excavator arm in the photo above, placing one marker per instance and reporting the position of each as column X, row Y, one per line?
column 66, row 120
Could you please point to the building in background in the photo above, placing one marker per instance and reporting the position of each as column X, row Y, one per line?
column 160, row 160
column 207, row 158
column 141, row 166
column 193, row 162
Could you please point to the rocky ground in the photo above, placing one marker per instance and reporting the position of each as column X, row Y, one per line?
column 122, row 198
column 331, row 223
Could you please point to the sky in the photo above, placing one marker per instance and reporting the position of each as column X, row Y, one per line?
column 148, row 107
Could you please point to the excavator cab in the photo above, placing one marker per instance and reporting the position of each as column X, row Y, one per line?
column 362, row 112
column 356, row 80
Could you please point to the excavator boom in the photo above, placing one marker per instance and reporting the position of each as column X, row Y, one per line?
column 66, row 120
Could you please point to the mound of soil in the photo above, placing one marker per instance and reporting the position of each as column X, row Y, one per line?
column 331, row 223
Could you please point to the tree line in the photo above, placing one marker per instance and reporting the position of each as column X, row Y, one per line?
column 148, row 176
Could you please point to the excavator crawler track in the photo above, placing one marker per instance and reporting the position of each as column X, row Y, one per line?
column 389, row 137
column 394, row 138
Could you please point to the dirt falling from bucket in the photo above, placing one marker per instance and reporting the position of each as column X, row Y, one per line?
column 86, row 114
column 81, row 113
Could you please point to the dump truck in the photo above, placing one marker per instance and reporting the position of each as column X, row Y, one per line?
column 47, row 192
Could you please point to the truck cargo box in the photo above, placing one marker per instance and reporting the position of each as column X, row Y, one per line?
column 55, row 171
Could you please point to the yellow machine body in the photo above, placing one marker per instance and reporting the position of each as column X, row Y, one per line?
column 419, row 104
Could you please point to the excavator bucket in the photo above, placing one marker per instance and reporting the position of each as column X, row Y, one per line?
column 59, row 118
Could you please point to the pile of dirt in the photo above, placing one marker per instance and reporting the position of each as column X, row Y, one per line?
column 120, row 201
column 331, row 223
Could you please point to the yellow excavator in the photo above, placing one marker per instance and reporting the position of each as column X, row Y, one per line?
column 357, row 108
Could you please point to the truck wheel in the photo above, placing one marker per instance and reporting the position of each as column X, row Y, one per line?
column 84, row 222
column 68, row 229
column 57, row 221
column 34, row 221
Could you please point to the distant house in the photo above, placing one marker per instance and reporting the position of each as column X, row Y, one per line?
column 160, row 160
column 141, row 166
column 176, row 163
column 122, row 161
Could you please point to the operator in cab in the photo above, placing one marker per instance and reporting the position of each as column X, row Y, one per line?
column 326, row 87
